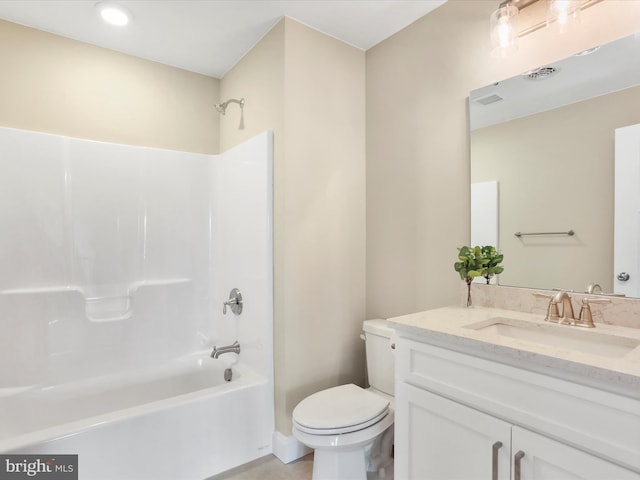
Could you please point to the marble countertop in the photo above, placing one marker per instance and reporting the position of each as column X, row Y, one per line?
column 449, row 327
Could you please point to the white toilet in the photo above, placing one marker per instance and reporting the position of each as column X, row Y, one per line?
column 350, row 428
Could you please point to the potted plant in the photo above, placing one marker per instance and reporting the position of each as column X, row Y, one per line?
column 493, row 259
column 478, row 261
column 470, row 266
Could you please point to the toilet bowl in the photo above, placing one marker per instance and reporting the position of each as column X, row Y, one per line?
column 349, row 427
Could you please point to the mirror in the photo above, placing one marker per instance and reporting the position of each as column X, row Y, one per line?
column 542, row 164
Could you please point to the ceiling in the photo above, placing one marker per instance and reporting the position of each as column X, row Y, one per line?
column 612, row 67
column 211, row 36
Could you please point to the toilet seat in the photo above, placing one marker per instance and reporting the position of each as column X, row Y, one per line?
column 340, row 410
column 346, row 440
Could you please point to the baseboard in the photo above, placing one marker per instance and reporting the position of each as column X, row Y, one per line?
column 287, row 448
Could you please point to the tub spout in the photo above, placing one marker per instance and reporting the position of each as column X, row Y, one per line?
column 217, row 351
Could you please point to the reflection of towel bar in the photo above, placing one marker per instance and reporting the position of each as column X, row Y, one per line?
column 569, row 233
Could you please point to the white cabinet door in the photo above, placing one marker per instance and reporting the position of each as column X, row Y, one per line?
column 546, row 459
column 438, row 439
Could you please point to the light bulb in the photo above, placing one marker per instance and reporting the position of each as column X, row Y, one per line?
column 504, row 34
column 563, row 13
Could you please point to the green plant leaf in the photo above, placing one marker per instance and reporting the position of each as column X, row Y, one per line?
column 478, row 261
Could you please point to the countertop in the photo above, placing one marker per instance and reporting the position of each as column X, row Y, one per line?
column 446, row 327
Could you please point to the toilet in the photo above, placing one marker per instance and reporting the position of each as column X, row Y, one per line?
column 349, row 427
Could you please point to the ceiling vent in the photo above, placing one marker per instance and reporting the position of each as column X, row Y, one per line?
column 540, row 73
column 489, row 99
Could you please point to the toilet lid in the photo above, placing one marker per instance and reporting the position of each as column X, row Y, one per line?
column 339, row 410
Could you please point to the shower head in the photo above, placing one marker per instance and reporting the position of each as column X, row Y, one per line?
column 222, row 107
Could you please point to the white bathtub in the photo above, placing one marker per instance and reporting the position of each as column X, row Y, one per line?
column 179, row 421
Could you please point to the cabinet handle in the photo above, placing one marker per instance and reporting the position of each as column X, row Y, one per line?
column 516, row 464
column 494, row 460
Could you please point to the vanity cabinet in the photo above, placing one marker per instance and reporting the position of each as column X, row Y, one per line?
column 437, row 438
column 545, row 459
column 463, row 417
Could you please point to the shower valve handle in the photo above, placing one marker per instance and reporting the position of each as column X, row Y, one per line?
column 231, row 303
column 235, row 302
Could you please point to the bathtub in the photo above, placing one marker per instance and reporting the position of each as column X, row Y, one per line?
column 177, row 421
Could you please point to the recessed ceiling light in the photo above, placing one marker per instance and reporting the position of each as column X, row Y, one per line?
column 587, row 52
column 113, row 13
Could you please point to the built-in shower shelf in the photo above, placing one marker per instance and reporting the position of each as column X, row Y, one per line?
column 101, row 307
column 108, row 308
column 35, row 290
column 74, row 288
column 158, row 283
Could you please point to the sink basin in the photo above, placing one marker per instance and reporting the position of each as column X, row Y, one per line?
column 560, row 336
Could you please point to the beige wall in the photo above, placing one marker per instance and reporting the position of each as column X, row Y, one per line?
column 324, row 186
column 309, row 89
column 258, row 78
column 417, row 140
column 58, row 85
column 555, row 172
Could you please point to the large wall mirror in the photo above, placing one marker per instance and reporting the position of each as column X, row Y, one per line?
column 544, row 145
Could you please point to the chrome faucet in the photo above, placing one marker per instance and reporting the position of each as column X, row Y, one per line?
column 553, row 315
column 217, row 351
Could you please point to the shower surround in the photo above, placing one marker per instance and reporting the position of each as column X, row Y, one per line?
column 115, row 262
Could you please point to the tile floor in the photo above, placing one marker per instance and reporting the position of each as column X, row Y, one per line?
column 270, row 468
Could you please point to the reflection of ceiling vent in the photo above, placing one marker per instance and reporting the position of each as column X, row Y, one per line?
column 540, row 73
column 493, row 98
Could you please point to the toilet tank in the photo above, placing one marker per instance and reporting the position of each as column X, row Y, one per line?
column 380, row 356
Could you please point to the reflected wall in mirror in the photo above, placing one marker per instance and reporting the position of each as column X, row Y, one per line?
column 547, row 139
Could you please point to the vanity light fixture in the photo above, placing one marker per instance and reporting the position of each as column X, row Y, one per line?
column 563, row 13
column 504, row 30
column 560, row 14
column 113, row 13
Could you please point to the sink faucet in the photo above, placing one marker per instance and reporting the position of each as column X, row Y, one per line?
column 585, row 318
column 567, row 316
column 593, row 289
column 217, row 351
